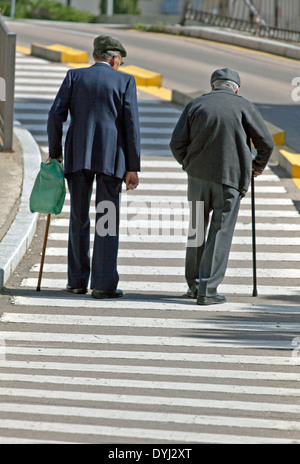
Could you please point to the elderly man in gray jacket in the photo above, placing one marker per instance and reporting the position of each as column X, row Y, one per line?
column 212, row 141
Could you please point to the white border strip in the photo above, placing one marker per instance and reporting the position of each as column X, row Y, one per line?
column 18, row 238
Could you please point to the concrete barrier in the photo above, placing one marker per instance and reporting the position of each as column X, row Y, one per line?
column 59, row 53
column 143, row 76
column 290, row 162
column 77, row 58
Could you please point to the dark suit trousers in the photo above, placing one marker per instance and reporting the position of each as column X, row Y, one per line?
column 206, row 263
column 103, row 272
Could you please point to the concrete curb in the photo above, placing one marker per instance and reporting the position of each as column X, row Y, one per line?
column 143, row 77
column 78, row 58
column 59, row 53
column 20, row 234
column 290, row 161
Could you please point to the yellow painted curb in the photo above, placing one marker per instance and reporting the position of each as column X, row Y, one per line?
column 161, row 92
column 24, row 50
column 78, row 65
column 297, row 182
column 277, row 134
column 157, row 91
column 279, row 138
column 291, row 163
column 59, row 53
column 143, row 76
column 69, row 54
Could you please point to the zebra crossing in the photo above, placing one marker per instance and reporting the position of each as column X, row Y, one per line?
column 36, row 84
column 155, row 230
column 153, row 367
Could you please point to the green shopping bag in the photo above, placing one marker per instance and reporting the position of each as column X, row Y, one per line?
column 49, row 190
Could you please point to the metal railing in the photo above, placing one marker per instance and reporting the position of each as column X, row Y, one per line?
column 276, row 19
column 7, row 85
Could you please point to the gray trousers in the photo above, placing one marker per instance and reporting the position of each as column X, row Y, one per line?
column 206, row 262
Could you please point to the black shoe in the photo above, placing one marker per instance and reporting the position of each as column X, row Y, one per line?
column 210, row 300
column 100, row 294
column 77, row 291
column 193, row 290
column 192, row 293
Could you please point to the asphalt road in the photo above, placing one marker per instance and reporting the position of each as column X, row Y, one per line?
column 186, row 64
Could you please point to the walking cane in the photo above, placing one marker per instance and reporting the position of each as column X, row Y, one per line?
column 253, row 237
column 38, row 288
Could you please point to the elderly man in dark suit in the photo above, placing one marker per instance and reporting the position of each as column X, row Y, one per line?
column 212, row 142
column 102, row 143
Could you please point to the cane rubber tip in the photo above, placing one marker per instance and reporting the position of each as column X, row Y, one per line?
column 254, row 293
column 38, row 289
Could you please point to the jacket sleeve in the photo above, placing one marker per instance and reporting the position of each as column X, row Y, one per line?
column 58, row 114
column 132, row 128
column 261, row 138
column 180, row 139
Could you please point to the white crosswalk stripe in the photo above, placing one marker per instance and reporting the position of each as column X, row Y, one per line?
column 148, row 305
column 160, row 371
column 153, row 367
column 172, row 287
column 177, row 271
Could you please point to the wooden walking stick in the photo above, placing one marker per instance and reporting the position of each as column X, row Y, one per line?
column 38, row 288
column 255, row 293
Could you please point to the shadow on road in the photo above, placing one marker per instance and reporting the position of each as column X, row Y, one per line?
column 286, row 117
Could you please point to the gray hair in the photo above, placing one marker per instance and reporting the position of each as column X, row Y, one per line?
column 226, row 84
column 107, row 54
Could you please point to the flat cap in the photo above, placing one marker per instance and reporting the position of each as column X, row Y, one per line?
column 225, row 74
column 104, row 42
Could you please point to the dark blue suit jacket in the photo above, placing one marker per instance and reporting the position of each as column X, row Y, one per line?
column 104, row 134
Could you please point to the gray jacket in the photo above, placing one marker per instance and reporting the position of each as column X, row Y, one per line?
column 212, row 139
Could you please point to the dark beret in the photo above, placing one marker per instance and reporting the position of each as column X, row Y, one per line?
column 104, row 42
column 225, row 74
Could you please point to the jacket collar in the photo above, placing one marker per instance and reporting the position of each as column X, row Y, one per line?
column 222, row 89
column 101, row 63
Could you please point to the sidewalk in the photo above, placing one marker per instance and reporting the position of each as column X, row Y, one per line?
column 237, row 38
column 11, row 174
column 17, row 175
